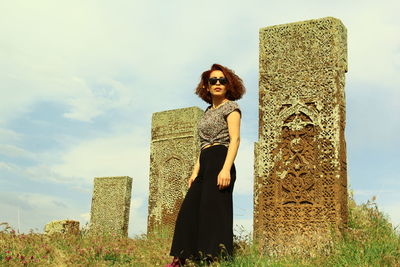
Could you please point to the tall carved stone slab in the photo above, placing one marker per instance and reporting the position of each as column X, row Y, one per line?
column 111, row 205
column 300, row 185
column 173, row 153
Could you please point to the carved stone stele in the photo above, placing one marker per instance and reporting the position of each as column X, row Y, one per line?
column 300, row 187
column 173, row 153
column 111, row 205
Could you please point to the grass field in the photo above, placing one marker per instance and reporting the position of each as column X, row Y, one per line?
column 370, row 240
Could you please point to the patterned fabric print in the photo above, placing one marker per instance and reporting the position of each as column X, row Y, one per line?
column 213, row 127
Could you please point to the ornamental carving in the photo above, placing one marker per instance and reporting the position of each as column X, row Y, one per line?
column 173, row 153
column 300, row 187
column 111, row 205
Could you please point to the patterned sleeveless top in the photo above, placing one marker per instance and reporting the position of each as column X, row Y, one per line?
column 213, row 126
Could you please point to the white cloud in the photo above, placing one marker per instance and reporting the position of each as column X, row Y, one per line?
column 373, row 45
column 7, row 166
column 61, row 58
column 93, row 101
column 7, row 135
column 126, row 154
column 84, row 106
column 44, row 172
column 48, row 48
column 393, row 211
column 14, row 151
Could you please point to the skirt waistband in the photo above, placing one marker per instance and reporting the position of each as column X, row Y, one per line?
column 211, row 145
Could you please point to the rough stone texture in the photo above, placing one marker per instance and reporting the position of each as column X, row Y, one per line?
column 174, row 150
column 63, row 226
column 300, row 185
column 110, row 205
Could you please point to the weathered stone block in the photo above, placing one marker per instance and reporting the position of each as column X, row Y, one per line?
column 173, row 153
column 63, row 226
column 111, row 205
column 300, row 185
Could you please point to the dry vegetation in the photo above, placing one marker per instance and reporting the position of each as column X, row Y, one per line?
column 370, row 240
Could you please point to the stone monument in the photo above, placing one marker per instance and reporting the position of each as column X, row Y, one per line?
column 62, row 226
column 173, row 153
column 111, row 205
column 300, row 187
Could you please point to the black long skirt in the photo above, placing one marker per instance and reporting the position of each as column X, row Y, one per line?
column 204, row 226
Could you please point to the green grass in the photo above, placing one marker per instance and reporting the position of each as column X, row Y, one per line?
column 369, row 240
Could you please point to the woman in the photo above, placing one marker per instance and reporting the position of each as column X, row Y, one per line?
column 204, row 226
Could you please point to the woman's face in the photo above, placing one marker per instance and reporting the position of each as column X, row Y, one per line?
column 218, row 89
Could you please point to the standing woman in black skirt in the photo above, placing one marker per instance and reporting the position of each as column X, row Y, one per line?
column 204, row 226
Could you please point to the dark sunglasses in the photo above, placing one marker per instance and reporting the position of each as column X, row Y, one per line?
column 214, row 80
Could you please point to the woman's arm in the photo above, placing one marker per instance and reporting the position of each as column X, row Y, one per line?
column 224, row 177
column 195, row 172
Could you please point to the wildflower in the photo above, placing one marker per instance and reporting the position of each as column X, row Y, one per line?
column 99, row 249
column 32, row 257
column 7, row 251
column 22, row 258
column 8, row 258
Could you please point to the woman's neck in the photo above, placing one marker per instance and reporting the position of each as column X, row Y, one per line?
column 218, row 101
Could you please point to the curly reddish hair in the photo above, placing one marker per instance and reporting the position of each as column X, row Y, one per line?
column 234, row 87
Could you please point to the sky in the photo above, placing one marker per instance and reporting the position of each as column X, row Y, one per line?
column 80, row 80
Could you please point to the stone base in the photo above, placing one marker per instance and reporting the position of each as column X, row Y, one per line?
column 63, row 226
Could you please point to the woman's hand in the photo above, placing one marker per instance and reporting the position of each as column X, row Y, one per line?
column 224, row 179
column 190, row 181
